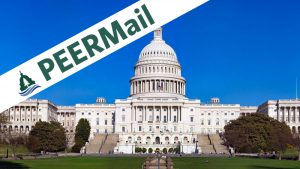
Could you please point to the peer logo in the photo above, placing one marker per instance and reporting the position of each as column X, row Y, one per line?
column 27, row 85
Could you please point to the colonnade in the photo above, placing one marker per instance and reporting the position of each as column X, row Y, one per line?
column 166, row 86
column 288, row 114
column 150, row 114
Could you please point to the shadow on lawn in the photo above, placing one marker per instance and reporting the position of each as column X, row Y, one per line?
column 264, row 167
column 12, row 165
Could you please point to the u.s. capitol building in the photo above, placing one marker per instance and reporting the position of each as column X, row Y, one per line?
column 157, row 114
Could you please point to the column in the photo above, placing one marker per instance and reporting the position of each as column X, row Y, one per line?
column 283, row 113
column 134, row 113
column 167, row 117
column 180, row 112
column 145, row 109
column 153, row 119
column 177, row 118
column 170, row 113
column 160, row 115
column 294, row 114
column 289, row 114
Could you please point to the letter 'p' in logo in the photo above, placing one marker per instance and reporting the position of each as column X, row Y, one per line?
column 27, row 85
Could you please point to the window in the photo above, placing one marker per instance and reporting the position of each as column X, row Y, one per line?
column 89, row 113
column 97, row 114
column 140, row 128
column 208, row 122
column 192, row 119
column 123, row 118
column 105, row 122
column 157, row 118
column 175, row 119
column 97, row 131
column 82, row 113
column 175, row 128
column 232, row 114
column 225, row 122
column 97, row 121
column 225, row 114
column 217, row 122
column 123, row 129
column 123, row 109
column 202, row 122
column 150, row 128
column 209, row 114
column 165, row 119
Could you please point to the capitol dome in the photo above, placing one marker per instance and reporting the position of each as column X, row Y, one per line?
column 158, row 49
column 157, row 72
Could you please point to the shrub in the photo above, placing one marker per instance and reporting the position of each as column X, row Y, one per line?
column 150, row 150
column 165, row 150
column 137, row 149
column 144, row 150
column 171, row 150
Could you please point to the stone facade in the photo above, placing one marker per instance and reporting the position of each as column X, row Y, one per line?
column 157, row 113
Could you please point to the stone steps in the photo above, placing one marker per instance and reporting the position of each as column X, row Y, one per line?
column 110, row 143
column 95, row 144
column 205, row 144
column 218, row 143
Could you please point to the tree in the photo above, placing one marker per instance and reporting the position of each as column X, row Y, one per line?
column 144, row 150
column 171, row 150
column 82, row 134
column 296, row 142
column 176, row 150
column 137, row 149
column 279, row 138
column 14, row 139
column 150, row 150
column 256, row 133
column 46, row 136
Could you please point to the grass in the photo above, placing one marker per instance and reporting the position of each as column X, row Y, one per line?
column 20, row 150
column 233, row 163
column 136, row 163
column 76, row 163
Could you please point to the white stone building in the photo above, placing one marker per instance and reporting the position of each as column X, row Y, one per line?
column 283, row 110
column 23, row 116
column 157, row 113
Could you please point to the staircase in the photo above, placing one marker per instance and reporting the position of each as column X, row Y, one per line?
column 218, row 144
column 205, row 144
column 109, row 144
column 95, row 144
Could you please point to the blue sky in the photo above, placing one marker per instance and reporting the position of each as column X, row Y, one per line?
column 241, row 51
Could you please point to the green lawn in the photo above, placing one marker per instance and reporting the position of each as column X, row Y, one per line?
column 233, row 163
column 76, row 163
column 136, row 163
column 20, row 150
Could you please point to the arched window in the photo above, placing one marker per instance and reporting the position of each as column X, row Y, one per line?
column 175, row 139
column 129, row 139
column 139, row 139
column 148, row 139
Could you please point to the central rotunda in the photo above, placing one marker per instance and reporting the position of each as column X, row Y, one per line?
column 157, row 114
column 157, row 72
